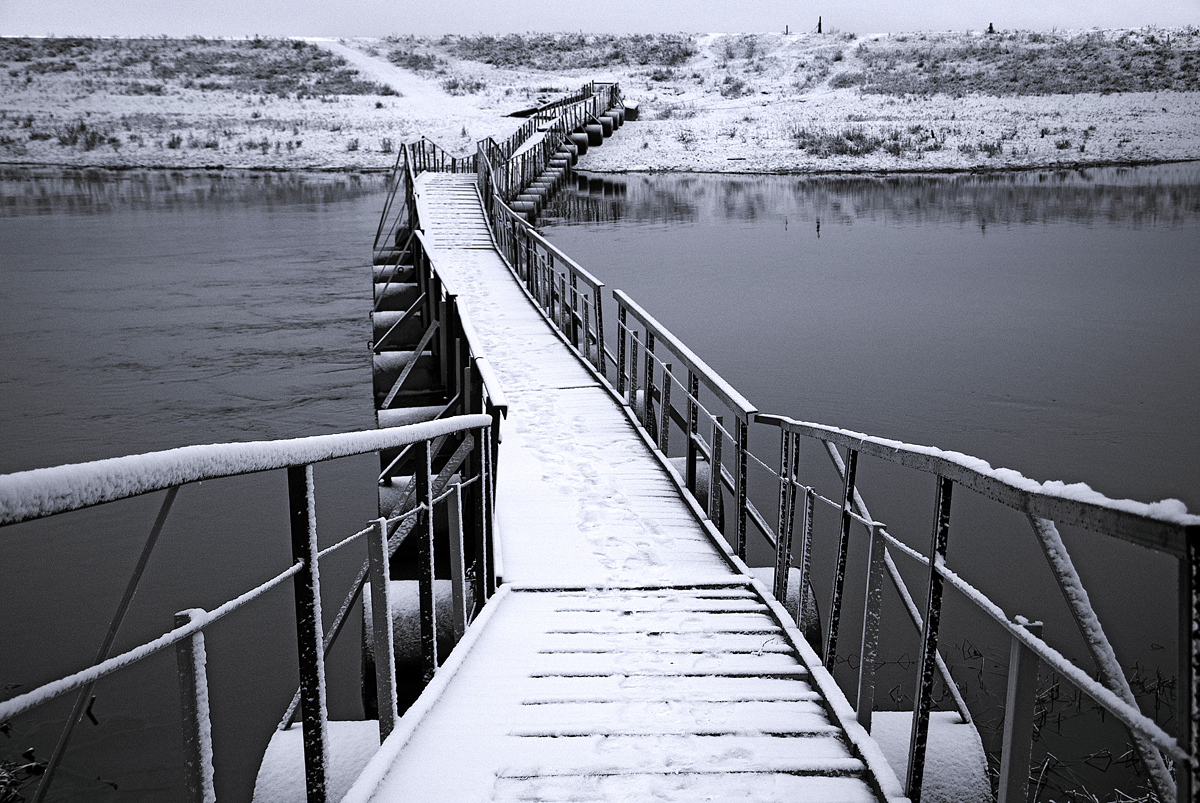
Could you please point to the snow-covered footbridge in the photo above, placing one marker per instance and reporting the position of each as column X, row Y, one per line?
column 558, row 601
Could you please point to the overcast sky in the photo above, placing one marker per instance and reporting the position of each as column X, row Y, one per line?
column 381, row 17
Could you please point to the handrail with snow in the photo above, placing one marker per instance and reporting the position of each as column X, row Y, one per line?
column 34, row 494
column 1162, row 526
column 40, row 493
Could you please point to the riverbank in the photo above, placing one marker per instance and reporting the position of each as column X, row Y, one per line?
column 762, row 103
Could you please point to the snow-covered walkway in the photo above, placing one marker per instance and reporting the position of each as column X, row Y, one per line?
column 626, row 657
column 581, row 499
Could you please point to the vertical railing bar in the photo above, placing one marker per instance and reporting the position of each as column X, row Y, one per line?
column 1019, row 704
column 490, row 440
column 648, row 393
column 810, row 501
column 839, row 574
column 425, row 561
column 716, row 513
column 622, row 333
column 872, row 608
column 1187, row 779
column 742, row 447
column 458, row 566
column 309, row 636
column 633, row 372
column 783, row 546
column 383, row 645
column 664, row 428
column 597, row 305
column 197, row 728
column 929, row 641
column 693, row 409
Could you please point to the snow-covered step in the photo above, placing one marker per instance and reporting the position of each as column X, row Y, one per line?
column 699, row 688
column 744, row 753
column 712, row 661
column 612, row 733
column 686, row 788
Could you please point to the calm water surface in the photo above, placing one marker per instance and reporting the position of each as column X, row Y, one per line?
column 148, row 310
column 1043, row 321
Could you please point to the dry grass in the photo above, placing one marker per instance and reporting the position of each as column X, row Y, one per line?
column 566, row 51
column 279, row 67
column 1028, row 63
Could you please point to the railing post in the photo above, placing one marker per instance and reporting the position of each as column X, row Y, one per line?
column 633, row 371
column 491, row 447
column 872, row 608
column 783, row 540
column 693, row 411
column 839, row 572
column 929, row 641
column 383, row 646
column 1018, row 718
column 741, row 445
column 664, row 428
column 716, row 511
column 197, row 728
column 458, row 565
column 574, row 317
column 425, row 553
column 648, row 408
column 810, row 502
column 1187, row 779
column 309, row 635
column 621, row 334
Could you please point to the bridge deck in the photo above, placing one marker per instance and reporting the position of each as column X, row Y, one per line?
column 581, row 499
column 631, row 660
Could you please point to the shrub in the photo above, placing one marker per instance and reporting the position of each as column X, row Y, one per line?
column 1062, row 144
column 352, row 145
column 847, row 142
column 846, row 80
column 174, row 142
column 555, row 52
column 733, row 87
column 417, row 62
column 385, row 146
column 462, row 86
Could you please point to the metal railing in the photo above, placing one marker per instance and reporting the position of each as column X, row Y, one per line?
column 713, row 421
column 566, row 293
column 37, row 494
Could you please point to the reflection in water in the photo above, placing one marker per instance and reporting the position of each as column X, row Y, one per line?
column 44, row 191
column 1095, row 195
column 146, row 310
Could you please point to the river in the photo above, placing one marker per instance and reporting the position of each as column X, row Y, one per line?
column 1042, row 321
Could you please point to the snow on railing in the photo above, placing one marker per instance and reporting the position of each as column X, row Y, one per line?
column 39, row 493
column 642, row 376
